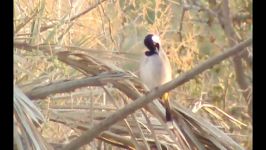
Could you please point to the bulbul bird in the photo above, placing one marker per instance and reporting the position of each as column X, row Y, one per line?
column 155, row 69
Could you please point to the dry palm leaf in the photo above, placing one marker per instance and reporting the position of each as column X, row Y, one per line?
column 26, row 135
column 189, row 130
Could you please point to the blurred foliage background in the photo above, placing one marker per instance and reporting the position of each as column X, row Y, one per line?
column 113, row 32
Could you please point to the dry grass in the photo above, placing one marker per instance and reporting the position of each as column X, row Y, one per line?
column 84, row 55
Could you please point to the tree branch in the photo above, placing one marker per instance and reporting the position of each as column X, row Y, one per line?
column 65, row 86
column 226, row 23
column 97, row 129
column 74, row 17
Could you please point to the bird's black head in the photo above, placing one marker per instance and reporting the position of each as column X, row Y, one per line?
column 152, row 42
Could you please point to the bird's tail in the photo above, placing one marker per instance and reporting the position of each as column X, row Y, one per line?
column 166, row 104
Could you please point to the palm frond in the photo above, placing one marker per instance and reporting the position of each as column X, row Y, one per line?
column 26, row 117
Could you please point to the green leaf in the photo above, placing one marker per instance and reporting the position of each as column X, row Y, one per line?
column 121, row 3
column 150, row 16
column 35, row 30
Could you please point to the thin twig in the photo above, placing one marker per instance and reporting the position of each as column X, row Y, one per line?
column 65, row 86
column 133, row 137
column 157, row 143
column 74, row 17
column 109, row 26
column 183, row 11
column 226, row 22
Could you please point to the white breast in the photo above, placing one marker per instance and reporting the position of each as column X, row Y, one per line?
column 155, row 70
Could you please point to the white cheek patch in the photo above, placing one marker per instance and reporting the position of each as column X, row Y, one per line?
column 156, row 39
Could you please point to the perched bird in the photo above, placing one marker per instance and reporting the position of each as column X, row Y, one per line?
column 155, row 68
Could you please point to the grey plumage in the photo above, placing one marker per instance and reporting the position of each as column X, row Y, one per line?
column 155, row 70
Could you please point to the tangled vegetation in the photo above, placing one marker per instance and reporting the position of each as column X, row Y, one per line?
column 76, row 74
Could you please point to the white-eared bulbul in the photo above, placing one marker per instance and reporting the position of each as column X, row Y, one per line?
column 155, row 68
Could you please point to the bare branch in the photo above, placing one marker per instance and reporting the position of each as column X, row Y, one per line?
column 226, row 23
column 65, row 86
column 183, row 11
column 74, row 17
column 27, row 20
column 97, row 129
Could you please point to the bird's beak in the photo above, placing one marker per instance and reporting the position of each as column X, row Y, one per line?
column 157, row 46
